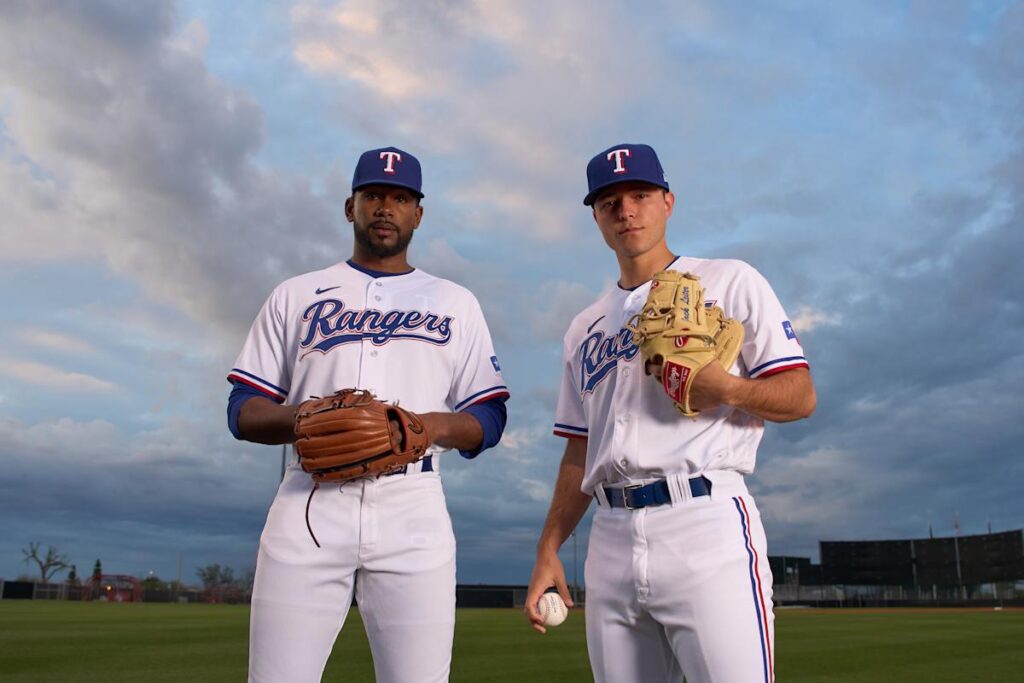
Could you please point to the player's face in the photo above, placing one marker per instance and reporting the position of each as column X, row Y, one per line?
column 383, row 218
column 632, row 217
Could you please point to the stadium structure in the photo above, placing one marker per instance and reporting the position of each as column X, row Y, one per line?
column 950, row 570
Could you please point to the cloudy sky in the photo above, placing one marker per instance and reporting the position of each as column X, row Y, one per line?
column 164, row 164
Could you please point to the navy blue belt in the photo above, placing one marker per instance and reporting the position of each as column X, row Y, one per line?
column 648, row 495
column 428, row 466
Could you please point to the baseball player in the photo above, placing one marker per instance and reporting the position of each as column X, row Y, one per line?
column 376, row 323
column 677, row 571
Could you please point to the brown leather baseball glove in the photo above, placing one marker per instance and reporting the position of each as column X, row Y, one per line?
column 352, row 434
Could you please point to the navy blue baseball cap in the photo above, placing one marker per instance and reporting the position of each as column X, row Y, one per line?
column 623, row 163
column 389, row 166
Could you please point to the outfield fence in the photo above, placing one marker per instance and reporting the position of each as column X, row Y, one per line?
column 982, row 595
column 785, row 595
column 37, row 590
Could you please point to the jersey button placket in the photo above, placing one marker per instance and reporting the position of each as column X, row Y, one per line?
column 378, row 298
column 368, row 354
column 622, row 421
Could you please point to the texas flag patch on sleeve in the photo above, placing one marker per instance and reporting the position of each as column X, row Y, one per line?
column 787, row 327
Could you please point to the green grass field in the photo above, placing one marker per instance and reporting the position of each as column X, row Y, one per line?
column 61, row 641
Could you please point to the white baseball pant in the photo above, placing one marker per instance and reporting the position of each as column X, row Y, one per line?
column 681, row 589
column 390, row 541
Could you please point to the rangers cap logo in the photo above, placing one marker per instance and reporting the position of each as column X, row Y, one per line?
column 392, row 157
column 618, row 155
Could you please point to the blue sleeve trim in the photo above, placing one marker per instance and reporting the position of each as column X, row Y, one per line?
column 492, row 416
column 777, row 361
column 479, row 396
column 570, row 428
column 240, row 393
column 242, row 374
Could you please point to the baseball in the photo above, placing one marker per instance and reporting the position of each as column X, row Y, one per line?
column 552, row 609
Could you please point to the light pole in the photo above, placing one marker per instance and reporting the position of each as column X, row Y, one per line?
column 575, row 584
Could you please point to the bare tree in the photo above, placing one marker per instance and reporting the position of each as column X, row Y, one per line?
column 246, row 581
column 215, row 576
column 49, row 565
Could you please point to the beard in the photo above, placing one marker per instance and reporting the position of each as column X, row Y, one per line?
column 380, row 249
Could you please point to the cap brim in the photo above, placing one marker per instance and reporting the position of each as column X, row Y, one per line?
column 391, row 183
column 592, row 195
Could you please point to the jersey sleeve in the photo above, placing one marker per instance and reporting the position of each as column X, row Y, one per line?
column 478, row 377
column 770, row 345
column 263, row 361
column 570, row 420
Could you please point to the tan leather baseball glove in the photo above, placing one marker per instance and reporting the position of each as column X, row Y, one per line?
column 674, row 329
column 352, row 434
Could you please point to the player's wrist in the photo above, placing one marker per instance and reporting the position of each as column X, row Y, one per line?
column 436, row 425
column 733, row 391
column 547, row 548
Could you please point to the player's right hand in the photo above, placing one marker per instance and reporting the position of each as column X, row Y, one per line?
column 548, row 572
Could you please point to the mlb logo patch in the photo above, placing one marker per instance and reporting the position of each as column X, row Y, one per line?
column 494, row 362
column 787, row 327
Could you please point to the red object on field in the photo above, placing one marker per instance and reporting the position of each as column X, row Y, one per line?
column 114, row 588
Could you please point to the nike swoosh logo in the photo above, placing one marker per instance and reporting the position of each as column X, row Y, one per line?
column 326, row 289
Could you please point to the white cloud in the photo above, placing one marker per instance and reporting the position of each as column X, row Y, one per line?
column 48, row 376
column 500, row 89
column 808, row 318
column 534, row 490
column 55, row 341
column 521, row 439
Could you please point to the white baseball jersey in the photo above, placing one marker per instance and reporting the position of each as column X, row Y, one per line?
column 413, row 338
column 634, row 431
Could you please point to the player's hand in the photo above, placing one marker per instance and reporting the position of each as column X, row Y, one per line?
column 547, row 572
column 711, row 388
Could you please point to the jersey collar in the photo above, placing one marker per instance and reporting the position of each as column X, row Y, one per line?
column 630, row 289
column 375, row 273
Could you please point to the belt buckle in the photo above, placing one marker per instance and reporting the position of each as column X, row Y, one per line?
column 625, row 496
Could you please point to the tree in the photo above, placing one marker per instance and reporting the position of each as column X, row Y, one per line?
column 97, row 572
column 52, row 563
column 215, row 576
column 246, row 581
column 73, row 576
column 219, row 584
column 153, row 582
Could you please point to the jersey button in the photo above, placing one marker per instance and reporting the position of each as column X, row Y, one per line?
column 377, row 298
column 378, row 283
column 373, row 353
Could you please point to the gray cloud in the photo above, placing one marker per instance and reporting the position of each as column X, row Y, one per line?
column 867, row 159
column 138, row 159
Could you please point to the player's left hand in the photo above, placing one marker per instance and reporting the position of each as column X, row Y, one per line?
column 711, row 387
